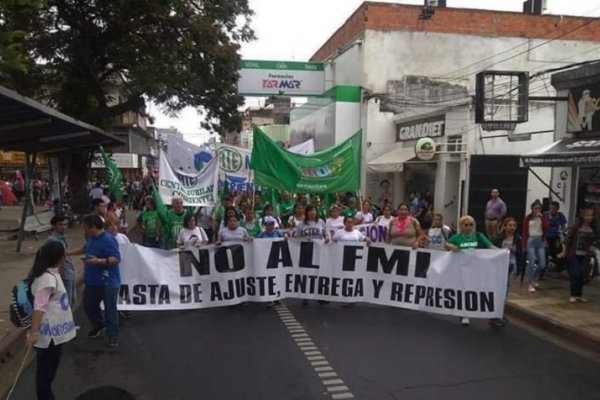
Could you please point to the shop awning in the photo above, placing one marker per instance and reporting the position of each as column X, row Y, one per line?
column 567, row 152
column 392, row 161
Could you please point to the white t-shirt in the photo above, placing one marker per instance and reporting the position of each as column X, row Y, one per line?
column 362, row 218
column 438, row 237
column 343, row 235
column 383, row 221
column 57, row 323
column 190, row 237
column 122, row 238
column 535, row 227
column 96, row 193
column 294, row 222
column 238, row 234
column 333, row 224
column 312, row 229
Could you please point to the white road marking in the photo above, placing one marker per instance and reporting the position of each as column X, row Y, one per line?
column 336, row 387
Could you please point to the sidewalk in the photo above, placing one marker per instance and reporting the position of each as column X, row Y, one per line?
column 549, row 309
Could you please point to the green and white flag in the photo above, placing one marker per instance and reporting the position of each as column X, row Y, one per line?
column 114, row 175
column 336, row 169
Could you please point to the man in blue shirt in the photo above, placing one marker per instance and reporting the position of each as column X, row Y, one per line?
column 60, row 223
column 102, row 279
column 269, row 232
column 556, row 230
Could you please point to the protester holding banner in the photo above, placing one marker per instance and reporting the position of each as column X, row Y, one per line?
column 175, row 221
column 535, row 227
column 312, row 227
column 405, row 230
column 268, row 214
column 386, row 218
column 191, row 235
column 233, row 232
column 507, row 238
column 335, row 220
column 270, row 232
column 298, row 217
column 229, row 212
column 438, row 234
column 150, row 224
column 364, row 216
column 219, row 213
column 250, row 223
column 468, row 238
column 349, row 234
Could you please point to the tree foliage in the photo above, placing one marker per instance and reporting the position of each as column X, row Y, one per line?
column 175, row 53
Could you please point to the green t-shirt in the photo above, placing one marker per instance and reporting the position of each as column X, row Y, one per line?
column 150, row 221
column 220, row 212
column 475, row 241
column 349, row 212
column 175, row 222
column 286, row 208
column 322, row 213
column 253, row 228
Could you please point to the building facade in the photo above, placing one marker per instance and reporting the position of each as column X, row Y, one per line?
column 417, row 78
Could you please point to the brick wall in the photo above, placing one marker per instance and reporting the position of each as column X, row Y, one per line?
column 399, row 17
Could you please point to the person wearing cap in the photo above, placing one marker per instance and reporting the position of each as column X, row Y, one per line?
column 270, row 232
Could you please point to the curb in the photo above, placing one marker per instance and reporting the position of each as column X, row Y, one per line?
column 566, row 332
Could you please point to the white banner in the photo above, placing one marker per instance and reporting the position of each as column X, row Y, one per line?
column 185, row 156
column 307, row 147
column 196, row 189
column 471, row 283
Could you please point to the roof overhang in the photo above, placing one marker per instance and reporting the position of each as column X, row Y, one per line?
column 392, row 161
column 29, row 126
column 567, row 152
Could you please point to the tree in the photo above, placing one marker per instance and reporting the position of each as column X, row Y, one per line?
column 176, row 53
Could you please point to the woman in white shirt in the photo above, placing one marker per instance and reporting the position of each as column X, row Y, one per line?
column 312, row 227
column 386, row 218
column 364, row 216
column 349, row 234
column 191, row 235
column 438, row 234
column 52, row 322
column 335, row 221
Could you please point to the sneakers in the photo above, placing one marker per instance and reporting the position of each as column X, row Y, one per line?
column 582, row 300
column 498, row 322
column 572, row 299
column 96, row 332
column 464, row 321
column 531, row 289
column 113, row 342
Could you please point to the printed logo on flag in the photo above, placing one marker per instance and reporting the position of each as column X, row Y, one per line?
column 230, row 160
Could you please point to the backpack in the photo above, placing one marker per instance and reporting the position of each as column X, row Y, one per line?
column 21, row 304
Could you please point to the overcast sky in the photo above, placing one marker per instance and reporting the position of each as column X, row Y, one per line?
column 294, row 29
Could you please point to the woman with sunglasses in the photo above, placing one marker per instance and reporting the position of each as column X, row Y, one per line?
column 468, row 238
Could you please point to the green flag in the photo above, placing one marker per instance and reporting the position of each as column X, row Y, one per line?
column 336, row 169
column 161, row 209
column 272, row 165
column 115, row 177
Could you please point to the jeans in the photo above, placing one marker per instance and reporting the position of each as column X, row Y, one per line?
column 47, row 365
column 92, row 296
column 576, row 275
column 70, row 288
column 536, row 257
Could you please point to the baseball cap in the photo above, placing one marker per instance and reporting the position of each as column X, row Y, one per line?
column 269, row 221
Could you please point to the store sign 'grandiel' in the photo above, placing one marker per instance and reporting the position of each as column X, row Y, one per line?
column 414, row 130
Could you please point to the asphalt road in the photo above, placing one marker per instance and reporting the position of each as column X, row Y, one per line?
column 364, row 351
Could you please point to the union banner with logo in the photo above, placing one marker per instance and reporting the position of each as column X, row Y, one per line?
column 196, row 189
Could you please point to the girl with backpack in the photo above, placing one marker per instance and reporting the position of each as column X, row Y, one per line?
column 579, row 244
column 52, row 323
